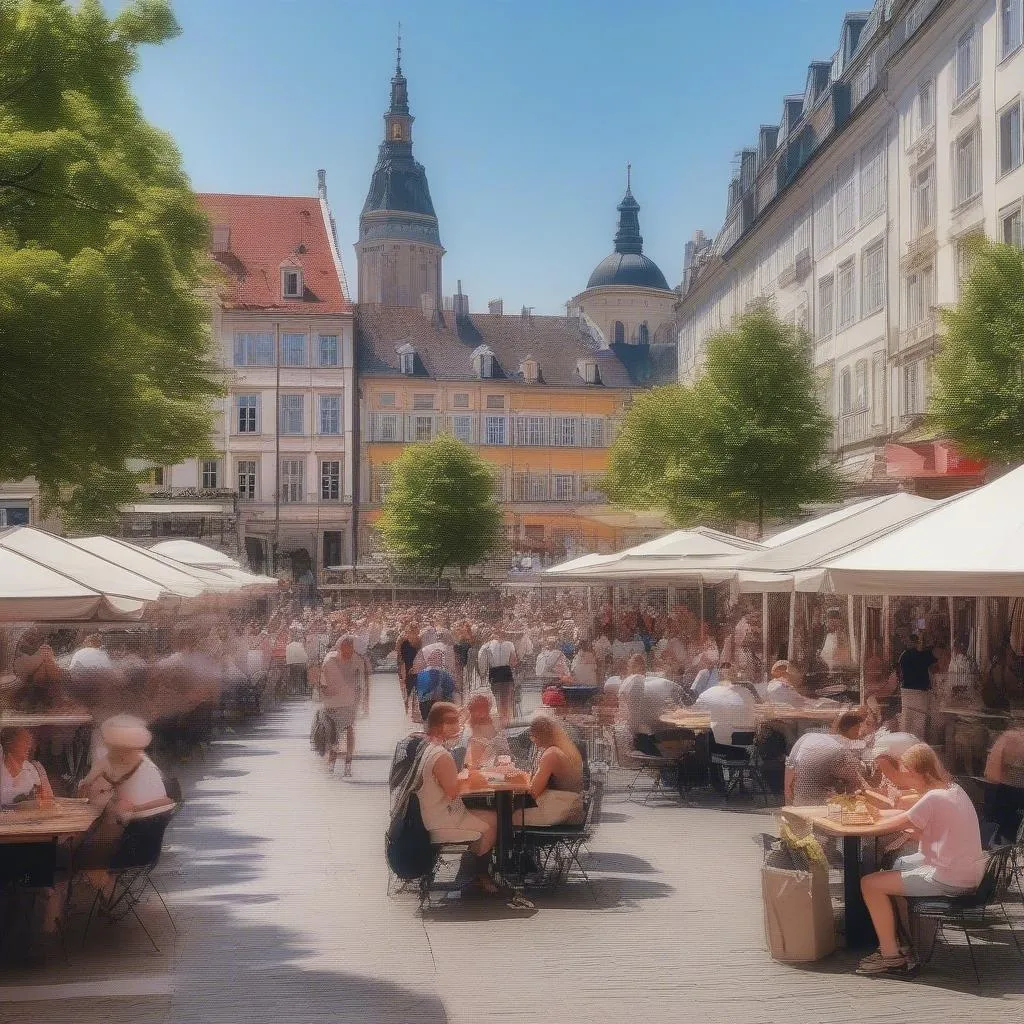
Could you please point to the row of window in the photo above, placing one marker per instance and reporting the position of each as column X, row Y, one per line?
column 524, row 429
column 585, row 488
column 257, row 348
column 292, row 414
column 837, row 294
column 292, row 478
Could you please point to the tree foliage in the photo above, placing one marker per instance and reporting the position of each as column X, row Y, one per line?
column 978, row 394
column 749, row 439
column 441, row 508
column 105, row 338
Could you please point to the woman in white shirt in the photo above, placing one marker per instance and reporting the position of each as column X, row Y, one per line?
column 21, row 778
column 950, row 861
column 584, row 665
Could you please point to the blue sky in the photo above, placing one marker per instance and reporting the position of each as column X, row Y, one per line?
column 527, row 112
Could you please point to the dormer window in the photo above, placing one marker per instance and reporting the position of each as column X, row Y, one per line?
column 291, row 282
column 406, row 359
column 587, row 369
column 530, row 369
column 483, row 362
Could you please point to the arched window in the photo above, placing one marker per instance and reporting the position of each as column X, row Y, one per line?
column 643, row 336
column 619, row 332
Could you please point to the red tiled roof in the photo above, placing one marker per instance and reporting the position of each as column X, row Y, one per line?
column 264, row 232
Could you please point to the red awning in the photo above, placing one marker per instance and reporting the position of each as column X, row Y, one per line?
column 928, row 459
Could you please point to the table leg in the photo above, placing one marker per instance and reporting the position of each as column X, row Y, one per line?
column 504, row 808
column 860, row 932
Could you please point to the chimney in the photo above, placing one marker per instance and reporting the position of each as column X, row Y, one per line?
column 460, row 304
column 496, row 307
column 321, row 184
column 527, row 314
column 221, row 238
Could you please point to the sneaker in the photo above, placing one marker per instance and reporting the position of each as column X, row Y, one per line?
column 347, row 773
column 878, row 964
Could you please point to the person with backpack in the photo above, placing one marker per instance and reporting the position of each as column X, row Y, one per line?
column 439, row 789
column 433, row 683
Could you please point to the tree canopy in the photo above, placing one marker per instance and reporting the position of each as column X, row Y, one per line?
column 441, row 508
column 105, row 336
column 748, row 440
column 978, row 394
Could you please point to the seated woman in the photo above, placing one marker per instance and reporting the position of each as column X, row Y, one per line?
column 584, row 667
column 445, row 816
column 482, row 737
column 1004, row 768
column 125, row 783
column 950, row 860
column 21, row 779
column 557, row 781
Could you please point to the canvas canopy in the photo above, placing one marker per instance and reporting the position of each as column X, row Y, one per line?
column 692, row 547
column 969, row 546
column 175, row 581
column 192, row 553
column 47, row 578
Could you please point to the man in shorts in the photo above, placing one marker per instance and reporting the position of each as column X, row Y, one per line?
column 342, row 682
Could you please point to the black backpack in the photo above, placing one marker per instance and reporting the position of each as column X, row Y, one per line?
column 407, row 845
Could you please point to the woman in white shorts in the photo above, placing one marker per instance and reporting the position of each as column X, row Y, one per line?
column 445, row 816
column 950, row 861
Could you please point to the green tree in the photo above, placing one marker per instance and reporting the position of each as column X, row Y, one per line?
column 105, row 337
column 441, row 508
column 749, row 440
column 978, row 394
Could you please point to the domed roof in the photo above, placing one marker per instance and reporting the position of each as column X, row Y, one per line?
column 628, row 266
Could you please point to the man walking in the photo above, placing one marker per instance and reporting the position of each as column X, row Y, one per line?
column 342, row 681
column 433, row 683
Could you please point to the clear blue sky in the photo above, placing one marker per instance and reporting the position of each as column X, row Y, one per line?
column 526, row 114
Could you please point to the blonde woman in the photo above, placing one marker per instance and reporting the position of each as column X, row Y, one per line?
column 557, row 781
column 950, row 860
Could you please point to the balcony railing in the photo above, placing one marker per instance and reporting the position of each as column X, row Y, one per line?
column 920, row 250
column 857, row 427
column 927, row 330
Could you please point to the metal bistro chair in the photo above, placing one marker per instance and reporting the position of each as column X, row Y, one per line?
column 971, row 911
column 558, row 846
column 132, row 865
column 640, row 764
column 738, row 769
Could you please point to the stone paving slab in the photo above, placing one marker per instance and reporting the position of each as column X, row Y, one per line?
column 276, row 879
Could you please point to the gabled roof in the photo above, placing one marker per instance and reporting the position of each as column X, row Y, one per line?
column 445, row 346
column 266, row 233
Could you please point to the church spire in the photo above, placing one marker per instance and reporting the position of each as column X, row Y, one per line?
column 628, row 238
column 399, row 86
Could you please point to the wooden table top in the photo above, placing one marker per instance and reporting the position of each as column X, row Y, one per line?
column 32, row 720
column 818, row 817
column 785, row 712
column 67, row 817
column 494, row 786
column 684, row 720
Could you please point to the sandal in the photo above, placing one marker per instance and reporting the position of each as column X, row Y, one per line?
column 878, row 964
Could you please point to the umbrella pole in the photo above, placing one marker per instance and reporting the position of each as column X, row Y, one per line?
column 863, row 642
column 792, row 624
column 764, row 631
column 854, row 648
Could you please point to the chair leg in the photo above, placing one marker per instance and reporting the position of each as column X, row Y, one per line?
column 970, row 949
column 88, row 920
column 163, row 904
column 1013, row 934
column 138, row 918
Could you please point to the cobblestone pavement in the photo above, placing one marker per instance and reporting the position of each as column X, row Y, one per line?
column 275, row 875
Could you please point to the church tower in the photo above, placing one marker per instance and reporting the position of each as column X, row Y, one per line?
column 399, row 249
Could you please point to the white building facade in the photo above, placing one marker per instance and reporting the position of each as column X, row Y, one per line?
column 850, row 217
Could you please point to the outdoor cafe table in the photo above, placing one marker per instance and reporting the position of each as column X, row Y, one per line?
column 792, row 713
column 860, row 932
column 683, row 719
column 67, row 818
column 504, row 794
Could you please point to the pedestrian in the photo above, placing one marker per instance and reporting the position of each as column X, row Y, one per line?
column 434, row 683
column 342, row 680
